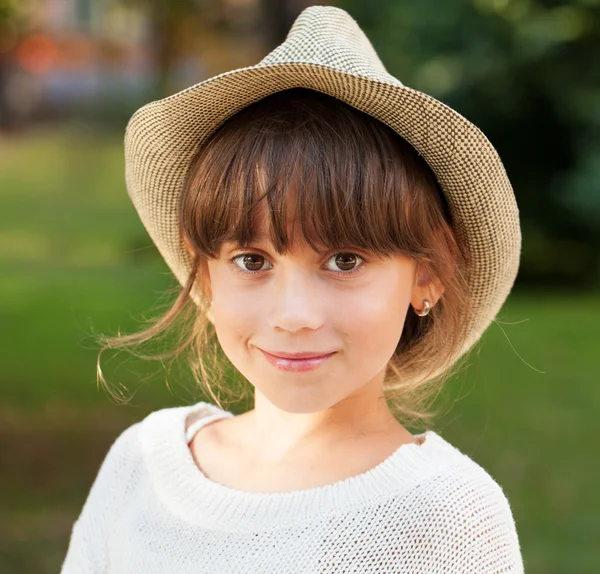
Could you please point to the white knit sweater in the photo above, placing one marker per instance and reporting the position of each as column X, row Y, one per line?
column 426, row 509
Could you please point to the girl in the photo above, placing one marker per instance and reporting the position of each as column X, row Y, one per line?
column 344, row 241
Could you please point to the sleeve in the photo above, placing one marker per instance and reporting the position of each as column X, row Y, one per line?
column 88, row 545
column 479, row 533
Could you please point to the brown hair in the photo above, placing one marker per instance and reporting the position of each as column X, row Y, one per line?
column 359, row 183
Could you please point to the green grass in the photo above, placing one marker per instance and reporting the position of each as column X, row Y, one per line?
column 75, row 260
column 531, row 430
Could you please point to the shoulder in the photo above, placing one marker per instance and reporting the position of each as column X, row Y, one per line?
column 467, row 517
column 465, row 488
column 88, row 544
column 123, row 466
column 117, row 469
column 127, row 460
column 126, row 442
column 469, row 496
column 126, row 455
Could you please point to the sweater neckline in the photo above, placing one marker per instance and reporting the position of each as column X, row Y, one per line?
column 189, row 493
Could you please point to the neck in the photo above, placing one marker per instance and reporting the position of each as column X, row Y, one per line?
column 273, row 435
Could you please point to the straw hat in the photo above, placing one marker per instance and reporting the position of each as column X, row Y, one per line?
column 325, row 50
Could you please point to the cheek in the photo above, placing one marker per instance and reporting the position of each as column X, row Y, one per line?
column 237, row 319
column 376, row 322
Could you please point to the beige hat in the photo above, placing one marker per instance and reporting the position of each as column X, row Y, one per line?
column 325, row 50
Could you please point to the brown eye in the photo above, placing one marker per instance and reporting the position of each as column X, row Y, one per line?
column 253, row 262
column 249, row 262
column 346, row 261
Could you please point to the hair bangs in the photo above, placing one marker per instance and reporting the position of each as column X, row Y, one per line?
column 346, row 179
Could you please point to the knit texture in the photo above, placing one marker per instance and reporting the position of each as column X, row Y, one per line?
column 427, row 508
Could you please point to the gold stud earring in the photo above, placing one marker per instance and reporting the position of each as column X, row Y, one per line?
column 426, row 309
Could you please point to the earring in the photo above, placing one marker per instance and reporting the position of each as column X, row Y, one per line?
column 426, row 309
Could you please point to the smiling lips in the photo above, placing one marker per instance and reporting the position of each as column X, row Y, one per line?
column 298, row 362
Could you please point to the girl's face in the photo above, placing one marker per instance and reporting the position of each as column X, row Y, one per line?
column 349, row 303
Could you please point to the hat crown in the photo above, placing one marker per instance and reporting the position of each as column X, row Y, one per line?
column 329, row 36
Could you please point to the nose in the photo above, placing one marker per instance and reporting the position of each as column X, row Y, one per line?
column 296, row 302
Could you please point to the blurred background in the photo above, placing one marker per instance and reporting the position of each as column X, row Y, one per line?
column 75, row 260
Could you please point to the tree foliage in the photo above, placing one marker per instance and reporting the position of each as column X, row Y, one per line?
column 525, row 72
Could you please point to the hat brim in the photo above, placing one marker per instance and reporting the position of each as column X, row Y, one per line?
column 163, row 137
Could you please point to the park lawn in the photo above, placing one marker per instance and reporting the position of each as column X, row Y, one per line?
column 75, row 260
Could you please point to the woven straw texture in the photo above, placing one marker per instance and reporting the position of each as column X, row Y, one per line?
column 326, row 51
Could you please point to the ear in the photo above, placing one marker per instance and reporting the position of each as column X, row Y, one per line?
column 425, row 287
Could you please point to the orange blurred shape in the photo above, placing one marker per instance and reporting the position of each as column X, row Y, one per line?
column 37, row 53
column 77, row 52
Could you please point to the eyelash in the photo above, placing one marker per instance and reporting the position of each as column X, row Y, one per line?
column 246, row 272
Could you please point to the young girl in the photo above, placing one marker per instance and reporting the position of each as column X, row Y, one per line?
column 344, row 240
